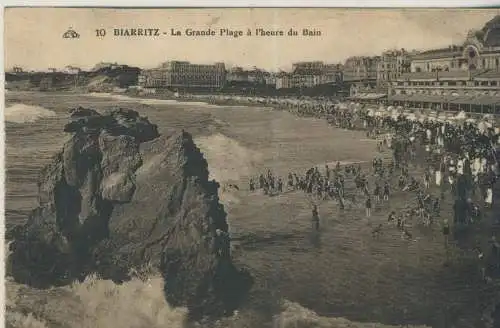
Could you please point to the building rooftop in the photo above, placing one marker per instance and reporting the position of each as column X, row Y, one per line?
column 492, row 37
column 301, row 71
column 443, row 75
column 418, row 76
column 487, row 74
column 453, row 74
column 452, row 51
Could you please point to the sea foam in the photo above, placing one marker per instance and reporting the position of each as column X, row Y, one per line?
column 228, row 159
column 21, row 113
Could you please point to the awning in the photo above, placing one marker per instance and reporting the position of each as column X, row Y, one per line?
column 475, row 100
column 419, row 98
column 459, row 100
column 368, row 96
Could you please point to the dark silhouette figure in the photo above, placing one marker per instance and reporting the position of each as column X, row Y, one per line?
column 222, row 244
column 315, row 218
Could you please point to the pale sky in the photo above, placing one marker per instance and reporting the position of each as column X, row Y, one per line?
column 33, row 36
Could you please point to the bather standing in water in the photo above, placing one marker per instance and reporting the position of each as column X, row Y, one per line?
column 315, row 218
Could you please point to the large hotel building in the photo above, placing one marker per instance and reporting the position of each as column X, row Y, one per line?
column 460, row 77
column 309, row 75
column 183, row 74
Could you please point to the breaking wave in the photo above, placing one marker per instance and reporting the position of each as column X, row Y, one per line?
column 149, row 101
column 94, row 303
column 139, row 303
column 21, row 113
column 228, row 159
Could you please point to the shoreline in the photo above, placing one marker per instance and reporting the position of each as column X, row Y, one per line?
column 194, row 99
column 294, row 105
column 286, row 103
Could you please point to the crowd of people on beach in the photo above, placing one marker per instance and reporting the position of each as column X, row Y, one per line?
column 433, row 158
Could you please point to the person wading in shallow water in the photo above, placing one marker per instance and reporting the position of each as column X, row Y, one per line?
column 368, row 206
column 315, row 218
column 446, row 235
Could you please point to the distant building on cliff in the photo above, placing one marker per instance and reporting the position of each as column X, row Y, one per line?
column 183, row 74
column 46, row 83
column 71, row 70
column 103, row 65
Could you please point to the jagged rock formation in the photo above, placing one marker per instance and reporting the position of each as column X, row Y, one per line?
column 119, row 196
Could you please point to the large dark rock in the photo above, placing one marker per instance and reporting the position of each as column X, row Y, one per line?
column 119, row 196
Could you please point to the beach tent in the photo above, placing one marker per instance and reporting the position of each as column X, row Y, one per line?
column 461, row 116
column 411, row 117
column 482, row 126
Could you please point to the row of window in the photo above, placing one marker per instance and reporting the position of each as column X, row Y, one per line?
column 449, row 83
column 486, row 64
column 454, row 93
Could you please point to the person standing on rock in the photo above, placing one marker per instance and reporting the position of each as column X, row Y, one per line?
column 222, row 244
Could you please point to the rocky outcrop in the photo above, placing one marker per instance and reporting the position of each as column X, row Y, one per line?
column 119, row 196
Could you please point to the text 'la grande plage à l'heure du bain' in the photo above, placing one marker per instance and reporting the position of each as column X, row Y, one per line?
column 208, row 32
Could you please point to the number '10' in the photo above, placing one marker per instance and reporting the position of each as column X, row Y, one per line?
column 100, row 32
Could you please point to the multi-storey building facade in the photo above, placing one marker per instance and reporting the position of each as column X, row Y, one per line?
column 460, row 77
column 392, row 64
column 103, row 65
column 458, row 90
column 332, row 74
column 255, row 75
column 306, row 80
column 284, row 81
column 308, row 66
column 183, row 74
column 71, row 70
column 358, row 69
column 309, row 75
column 443, row 59
column 271, row 79
column 152, row 78
column 480, row 51
column 237, row 74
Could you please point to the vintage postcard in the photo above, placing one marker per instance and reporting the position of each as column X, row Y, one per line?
column 252, row 167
